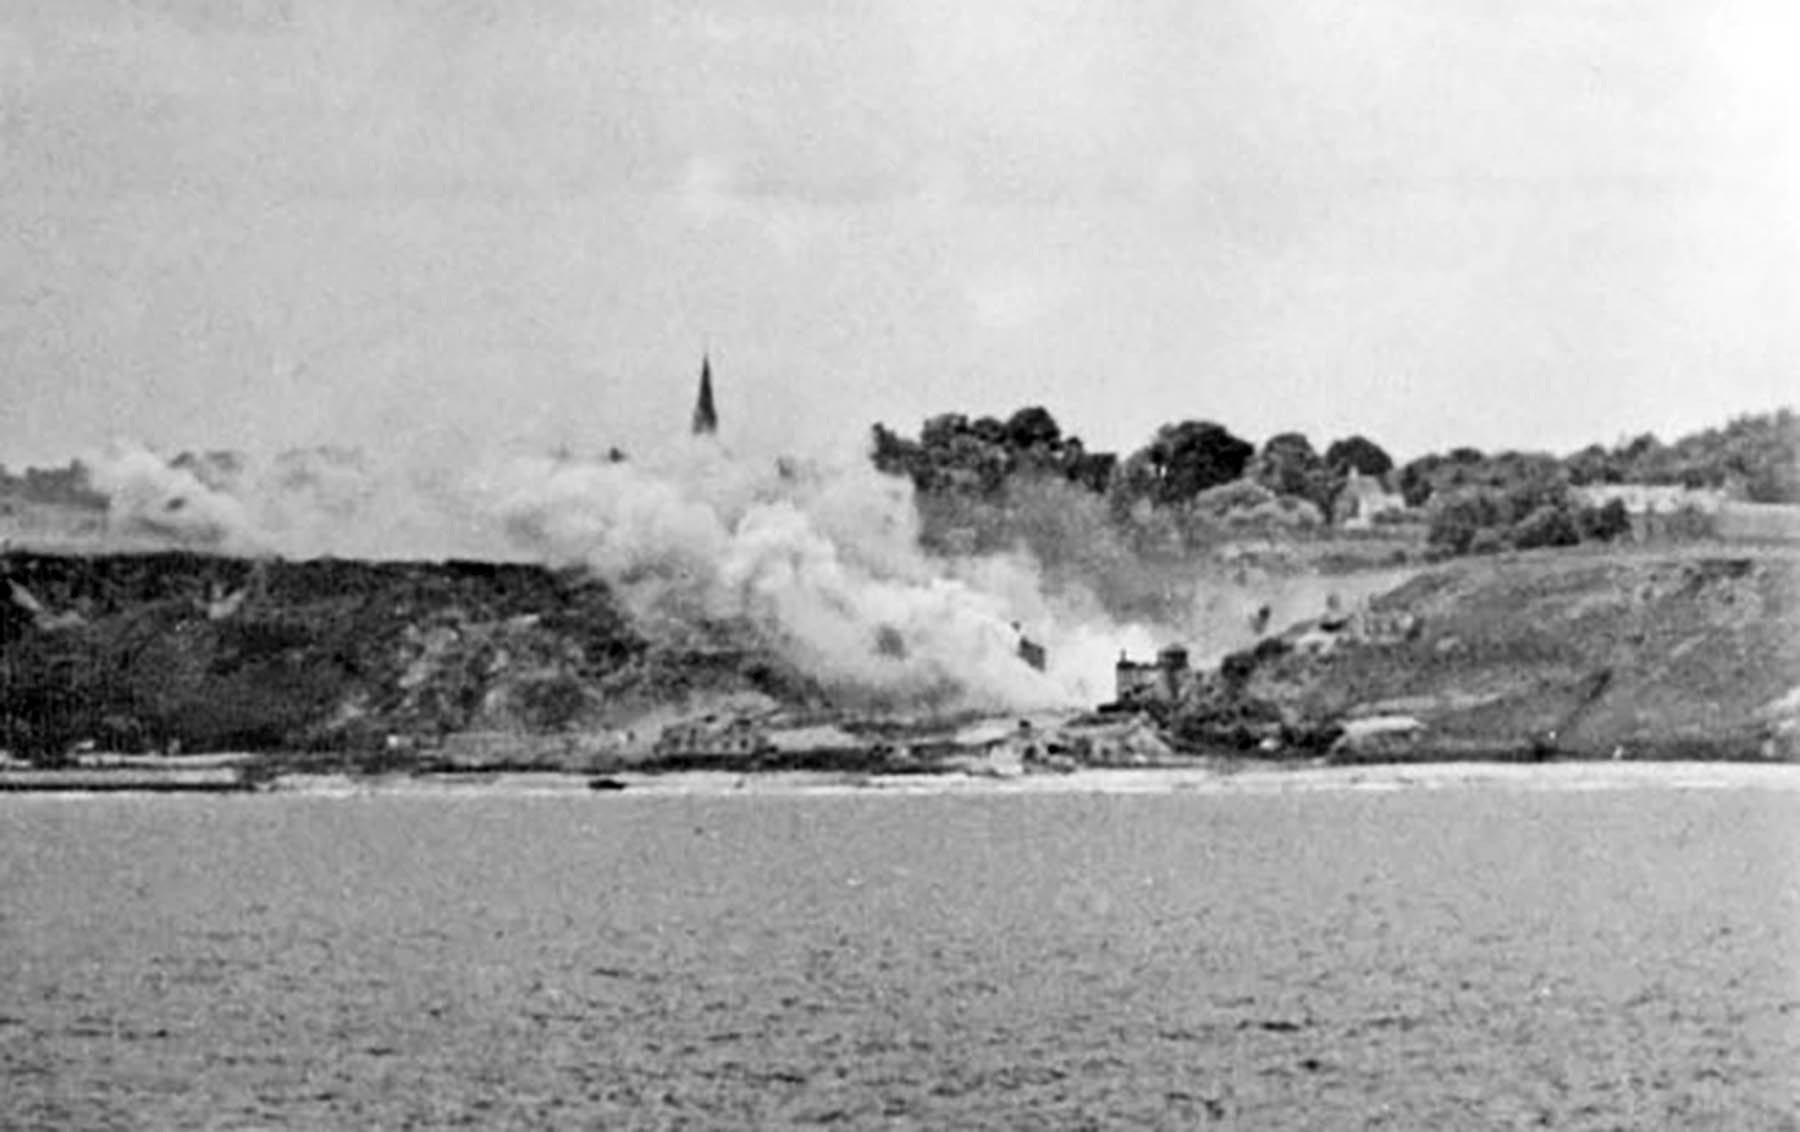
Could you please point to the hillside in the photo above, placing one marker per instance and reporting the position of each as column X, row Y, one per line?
column 200, row 653
column 1692, row 653
column 1600, row 654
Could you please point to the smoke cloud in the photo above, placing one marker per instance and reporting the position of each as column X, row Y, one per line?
column 820, row 560
column 824, row 562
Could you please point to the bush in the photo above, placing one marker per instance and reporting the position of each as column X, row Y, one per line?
column 1526, row 515
column 1489, row 540
column 1687, row 522
column 1548, row 525
column 1238, row 495
column 1244, row 503
column 1604, row 524
column 1456, row 520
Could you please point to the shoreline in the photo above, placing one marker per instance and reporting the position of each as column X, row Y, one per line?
column 1571, row 776
column 1252, row 780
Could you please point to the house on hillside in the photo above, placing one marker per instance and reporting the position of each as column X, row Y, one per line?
column 1362, row 499
column 1657, row 508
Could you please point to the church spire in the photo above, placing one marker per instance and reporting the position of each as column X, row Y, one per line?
column 706, row 417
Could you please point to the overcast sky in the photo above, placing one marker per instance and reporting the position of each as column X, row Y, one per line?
column 258, row 223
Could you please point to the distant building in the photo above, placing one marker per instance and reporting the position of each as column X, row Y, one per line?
column 706, row 415
column 1362, row 499
column 1653, row 498
column 1162, row 682
column 714, row 736
column 1661, row 509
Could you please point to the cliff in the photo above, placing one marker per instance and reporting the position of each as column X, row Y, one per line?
column 193, row 652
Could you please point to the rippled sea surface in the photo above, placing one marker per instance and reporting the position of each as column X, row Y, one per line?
column 1455, row 958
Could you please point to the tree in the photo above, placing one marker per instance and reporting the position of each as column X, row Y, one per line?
column 988, row 429
column 1094, row 470
column 1457, row 518
column 1415, row 480
column 1604, row 523
column 1287, row 465
column 1358, row 453
column 940, row 430
column 1548, row 525
column 1593, row 464
column 981, row 457
column 1033, row 427
column 1185, row 459
column 895, row 455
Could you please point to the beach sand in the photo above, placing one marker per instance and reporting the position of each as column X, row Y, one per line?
column 1259, row 779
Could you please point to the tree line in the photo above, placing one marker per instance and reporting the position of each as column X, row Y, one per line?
column 980, row 456
column 1195, row 476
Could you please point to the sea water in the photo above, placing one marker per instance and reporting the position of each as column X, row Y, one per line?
column 1470, row 956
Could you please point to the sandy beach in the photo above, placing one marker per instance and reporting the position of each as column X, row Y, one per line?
column 1435, row 776
column 1559, row 777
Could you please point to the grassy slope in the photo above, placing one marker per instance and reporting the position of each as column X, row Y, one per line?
column 1653, row 652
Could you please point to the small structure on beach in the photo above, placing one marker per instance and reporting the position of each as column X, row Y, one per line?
column 1160, row 682
column 712, row 735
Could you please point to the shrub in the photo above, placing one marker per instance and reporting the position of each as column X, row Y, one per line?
column 1238, row 495
column 1244, row 503
column 1605, row 523
column 1456, row 520
column 1688, row 522
column 1488, row 540
column 1548, row 525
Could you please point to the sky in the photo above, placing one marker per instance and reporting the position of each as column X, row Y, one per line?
column 258, row 224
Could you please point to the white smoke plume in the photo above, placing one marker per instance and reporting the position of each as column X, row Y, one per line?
column 826, row 565
column 304, row 503
column 821, row 560
column 150, row 498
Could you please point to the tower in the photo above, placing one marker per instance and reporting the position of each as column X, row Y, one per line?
column 706, row 417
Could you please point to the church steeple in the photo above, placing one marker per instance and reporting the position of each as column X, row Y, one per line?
column 706, row 417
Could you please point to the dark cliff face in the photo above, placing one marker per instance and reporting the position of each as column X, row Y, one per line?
column 159, row 651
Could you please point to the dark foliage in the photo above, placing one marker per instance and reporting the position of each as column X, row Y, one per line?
column 1604, row 523
column 1536, row 513
column 332, row 653
column 1184, row 460
column 1756, row 456
column 959, row 456
column 1287, row 465
column 1358, row 453
column 1549, row 525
